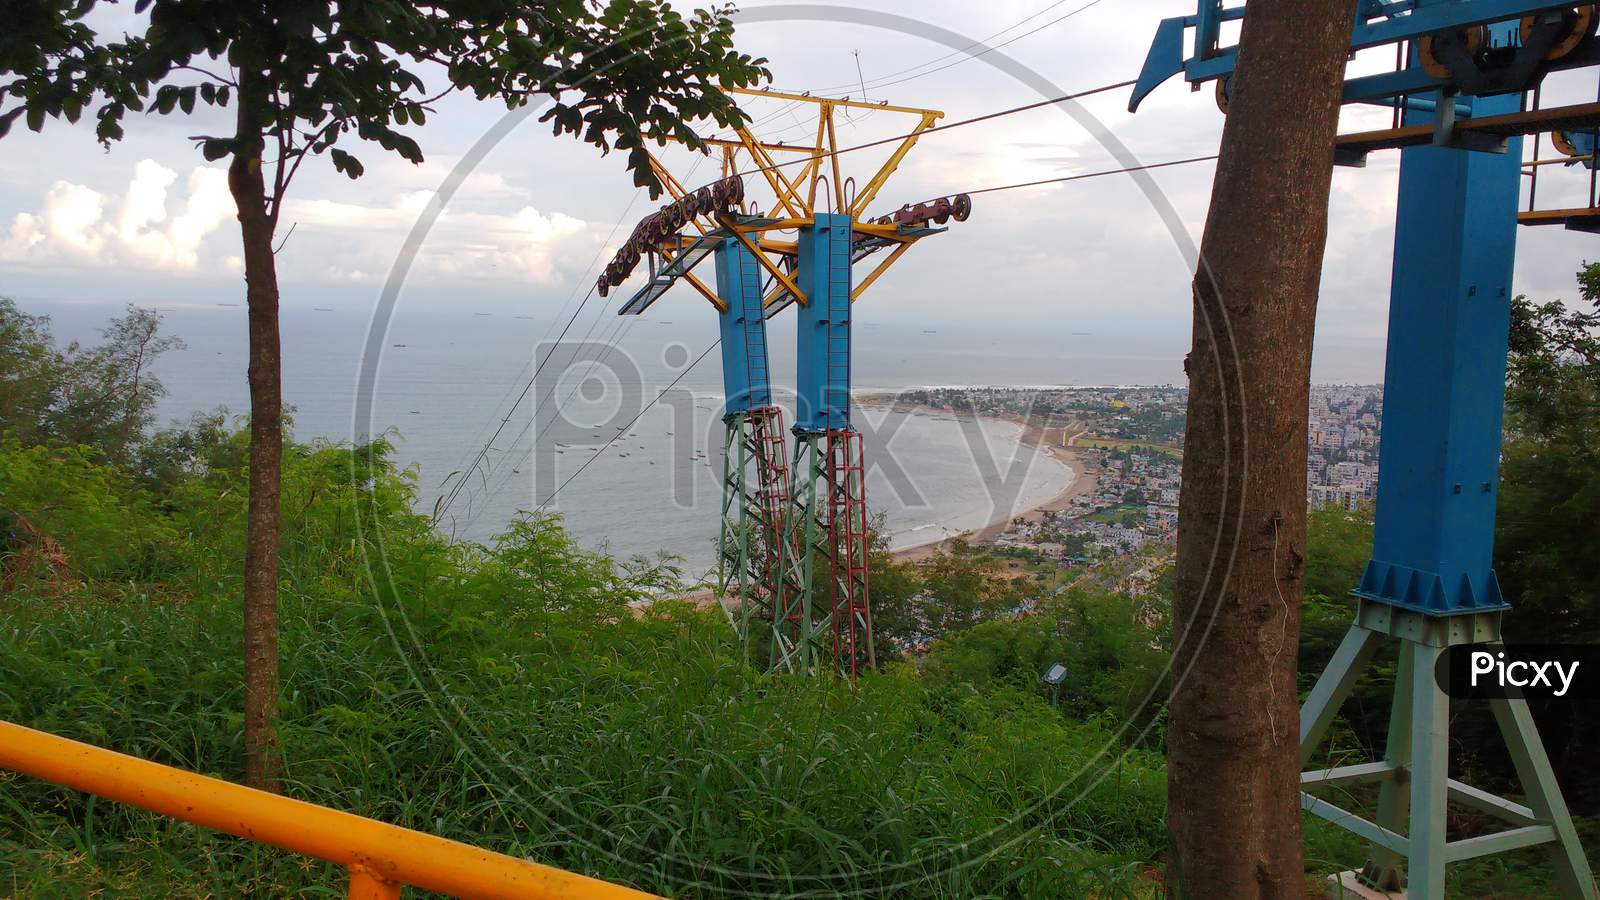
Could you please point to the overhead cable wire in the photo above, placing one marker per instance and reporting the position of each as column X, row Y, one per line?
column 505, row 420
column 987, row 48
column 482, row 454
column 889, row 78
column 866, row 84
column 488, row 445
column 962, row 123
column 1080, row 177
column 631, row 422
column 715, row 344
column 613, row 335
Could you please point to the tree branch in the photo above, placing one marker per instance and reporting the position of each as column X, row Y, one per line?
column 211, row 75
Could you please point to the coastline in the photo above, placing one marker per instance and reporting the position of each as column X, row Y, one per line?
column 1085, row 475
column 1059, row 443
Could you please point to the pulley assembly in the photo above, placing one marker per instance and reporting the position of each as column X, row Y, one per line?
column 722, row 196
column 937, row 211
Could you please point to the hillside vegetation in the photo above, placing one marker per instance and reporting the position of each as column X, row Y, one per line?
column 539, row 700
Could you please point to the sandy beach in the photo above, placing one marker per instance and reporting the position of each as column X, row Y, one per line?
column 1058, row 443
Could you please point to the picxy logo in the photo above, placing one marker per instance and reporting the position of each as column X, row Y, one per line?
column 1495, row 669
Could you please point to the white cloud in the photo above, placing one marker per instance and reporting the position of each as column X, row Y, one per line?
column 530, row 245
column 80, row 226
column 338, row 273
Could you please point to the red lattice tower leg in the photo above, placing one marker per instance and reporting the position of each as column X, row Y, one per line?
column 847, row 525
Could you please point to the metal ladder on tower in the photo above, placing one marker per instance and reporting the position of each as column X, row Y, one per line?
column 847, row 521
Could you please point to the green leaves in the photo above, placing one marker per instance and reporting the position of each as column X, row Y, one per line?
column 639, row 68
column 344, row 162
column 214, row 149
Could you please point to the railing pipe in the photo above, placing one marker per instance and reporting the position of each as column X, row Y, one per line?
column 380, row 857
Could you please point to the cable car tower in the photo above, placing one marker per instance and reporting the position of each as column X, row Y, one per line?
column 1461, row 107
column 792, row 550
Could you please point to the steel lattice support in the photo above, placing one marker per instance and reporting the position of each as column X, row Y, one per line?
column 792, row 552
column 755, row 497
column 847, row 523
column 1459, row 112
column 803, row 641
column 829, row 619
column 1430, row 583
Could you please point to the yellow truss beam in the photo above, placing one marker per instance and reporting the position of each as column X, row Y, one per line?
column 876, row 184
column 807, row 98
column 675, row 189
column 779, row 147
column 833, row 156
column 888, row 261
column 744, row 238
column 706, row 292
column 787, row 196
column 796, row 193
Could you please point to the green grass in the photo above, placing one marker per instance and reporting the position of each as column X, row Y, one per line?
column 640, row 751
column 505, row 697
column 1134, row 444
column 1124, row 513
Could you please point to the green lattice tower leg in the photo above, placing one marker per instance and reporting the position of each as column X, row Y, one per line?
column 751, row 556
column 1414, row 784
column 730, row 544
column 808, row 623
column 738, row 566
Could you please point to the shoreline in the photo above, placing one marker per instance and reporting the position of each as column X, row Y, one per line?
column 1085, row 476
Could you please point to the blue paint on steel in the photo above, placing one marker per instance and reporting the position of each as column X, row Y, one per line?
column 690, row 253
column 1583, row 142
column 1164, row 60
column 746, row 382
column 822, row 382
column 1444, row 381
column 1375, row 24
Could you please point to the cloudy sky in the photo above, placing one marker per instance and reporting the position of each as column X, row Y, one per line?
column 149, row 222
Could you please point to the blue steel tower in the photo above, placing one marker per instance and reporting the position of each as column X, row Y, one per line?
column 1430, row 583
column 792, row 574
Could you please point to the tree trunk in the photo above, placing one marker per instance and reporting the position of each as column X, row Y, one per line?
column 1233, row 742
column 246, row 182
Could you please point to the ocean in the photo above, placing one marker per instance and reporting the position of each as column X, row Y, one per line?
column 620, row 430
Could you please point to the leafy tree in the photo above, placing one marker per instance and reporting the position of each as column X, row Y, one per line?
column 304, row 76
column 1549, row 506
column 894, row 588
column 202, row 444
column 1548, row 521
column 1337, row 549
column 100, row 397
column 932, row 597
column 30, row 374
column 540, row 575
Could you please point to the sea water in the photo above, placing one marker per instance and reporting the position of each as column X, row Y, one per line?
column 616, row 427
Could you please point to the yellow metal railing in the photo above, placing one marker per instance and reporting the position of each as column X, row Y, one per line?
column 381, row 857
